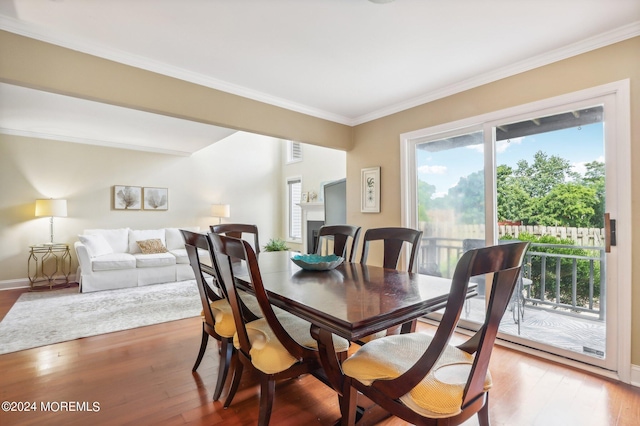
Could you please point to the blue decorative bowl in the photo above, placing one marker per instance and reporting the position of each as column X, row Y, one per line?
column 315, row 262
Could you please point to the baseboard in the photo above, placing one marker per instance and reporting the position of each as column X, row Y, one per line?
column 24, row 283
column 12, row 284
column 635, row 375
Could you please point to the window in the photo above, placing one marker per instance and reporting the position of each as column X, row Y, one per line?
column 294, row 151
column 294, row 219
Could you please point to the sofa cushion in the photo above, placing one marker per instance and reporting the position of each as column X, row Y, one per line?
column 96, row 245
column 174, row 239
column 118, row 239
column 112, row 262
column 182, row 258
column 136, row 235
column 154, row 260
column 151, row 246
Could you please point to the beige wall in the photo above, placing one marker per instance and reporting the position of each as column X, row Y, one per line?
column 39, row 65
column 377, row 143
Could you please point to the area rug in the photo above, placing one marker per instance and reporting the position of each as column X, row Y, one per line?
column 44, row 318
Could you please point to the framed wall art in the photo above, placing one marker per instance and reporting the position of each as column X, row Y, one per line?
column 127, row 197
column 370, row 190
column 155, row 198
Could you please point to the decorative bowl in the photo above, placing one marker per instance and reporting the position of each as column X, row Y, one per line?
column 315, row 262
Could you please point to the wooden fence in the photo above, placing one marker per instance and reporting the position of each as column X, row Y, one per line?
column 591, row 237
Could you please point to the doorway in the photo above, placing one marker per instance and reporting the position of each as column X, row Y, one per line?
column 545, row 174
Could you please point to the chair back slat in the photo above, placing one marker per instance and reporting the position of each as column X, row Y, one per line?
column 237, row 230
column 195, row 243
column 393, row 241
column 341, row 235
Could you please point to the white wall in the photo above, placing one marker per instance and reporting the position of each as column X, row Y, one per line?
column 243, row 170
column 319, row 165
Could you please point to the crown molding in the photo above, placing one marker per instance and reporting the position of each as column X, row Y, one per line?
column 54, row 37
column 592, row 43
column 86, row 141
column 45, row 35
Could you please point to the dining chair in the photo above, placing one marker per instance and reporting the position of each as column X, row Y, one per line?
column 423, row 379
column 393, row 240
column 340, row 234
column 217, row 319
column 238, row 230
column 277, row 346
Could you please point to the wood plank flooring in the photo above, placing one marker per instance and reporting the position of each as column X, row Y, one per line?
column 143, row 377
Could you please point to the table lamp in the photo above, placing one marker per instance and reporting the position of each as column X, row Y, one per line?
column 51, row 208
column 220, row 211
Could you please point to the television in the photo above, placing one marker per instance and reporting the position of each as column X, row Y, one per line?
column 335, row 202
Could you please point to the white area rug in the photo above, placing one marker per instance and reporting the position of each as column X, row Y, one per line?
column 38, row 319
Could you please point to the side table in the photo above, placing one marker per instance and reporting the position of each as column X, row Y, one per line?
column 49, row 266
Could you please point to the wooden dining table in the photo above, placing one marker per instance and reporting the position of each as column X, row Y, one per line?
column 351, row 301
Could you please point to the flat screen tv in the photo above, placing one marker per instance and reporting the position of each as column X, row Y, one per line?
column 335, row 202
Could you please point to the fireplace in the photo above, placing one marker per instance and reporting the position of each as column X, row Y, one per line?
column 313, row 226
column 312, row 219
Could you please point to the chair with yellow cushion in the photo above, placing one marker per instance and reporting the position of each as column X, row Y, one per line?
column 217, row 319
column 424, row 380
column 277, row 346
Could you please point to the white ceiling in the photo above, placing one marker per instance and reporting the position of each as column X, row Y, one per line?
column 348, row 61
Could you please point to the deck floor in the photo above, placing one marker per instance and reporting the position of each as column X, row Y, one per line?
column 581, row 335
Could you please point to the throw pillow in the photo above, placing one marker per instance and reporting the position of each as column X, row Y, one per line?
column 96, row 245
column 136, row 235
column 151, row 246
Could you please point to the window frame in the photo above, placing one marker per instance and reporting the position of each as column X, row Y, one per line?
column 291, row 204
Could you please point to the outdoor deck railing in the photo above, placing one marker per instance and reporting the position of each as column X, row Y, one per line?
column 575, row 288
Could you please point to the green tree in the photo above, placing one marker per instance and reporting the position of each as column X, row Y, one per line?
column 425, row 192
column 594, row 178
column 567, row 204
column 539, row 178
column 467, row 198
column 514, row 203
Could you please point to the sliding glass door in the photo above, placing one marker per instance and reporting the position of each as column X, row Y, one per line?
column 540, row 176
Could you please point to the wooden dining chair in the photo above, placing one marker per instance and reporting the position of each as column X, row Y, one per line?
column 340, row 234
column 277, row 346
column 238, row 230
column 217, row 318
column 424, row 380
column 393, row 240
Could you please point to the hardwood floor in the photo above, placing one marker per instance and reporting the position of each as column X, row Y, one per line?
column 143, row 376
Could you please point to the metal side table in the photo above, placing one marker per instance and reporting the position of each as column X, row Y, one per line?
column 49, row 266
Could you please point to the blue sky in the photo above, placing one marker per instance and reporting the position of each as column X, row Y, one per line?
column 577, row 145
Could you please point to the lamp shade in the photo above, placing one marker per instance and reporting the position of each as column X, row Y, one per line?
column 220, row 210
column 57, row 208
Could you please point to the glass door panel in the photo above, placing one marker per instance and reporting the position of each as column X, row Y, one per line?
column 451, row 205
column 551, row 192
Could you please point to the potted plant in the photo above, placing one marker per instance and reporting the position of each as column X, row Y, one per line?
column 276, row 244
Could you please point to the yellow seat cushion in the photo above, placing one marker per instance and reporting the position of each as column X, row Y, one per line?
column 437, row 395
column 223, row 316
column 267, row 353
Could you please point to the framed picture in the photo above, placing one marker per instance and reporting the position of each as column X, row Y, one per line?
column 370, row 190
column 127, row 197
column 305, row 197
column 156, row 198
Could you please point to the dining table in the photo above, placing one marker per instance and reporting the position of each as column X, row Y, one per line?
column 352, row 301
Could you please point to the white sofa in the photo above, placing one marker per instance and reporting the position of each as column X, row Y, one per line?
column 111, row 258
